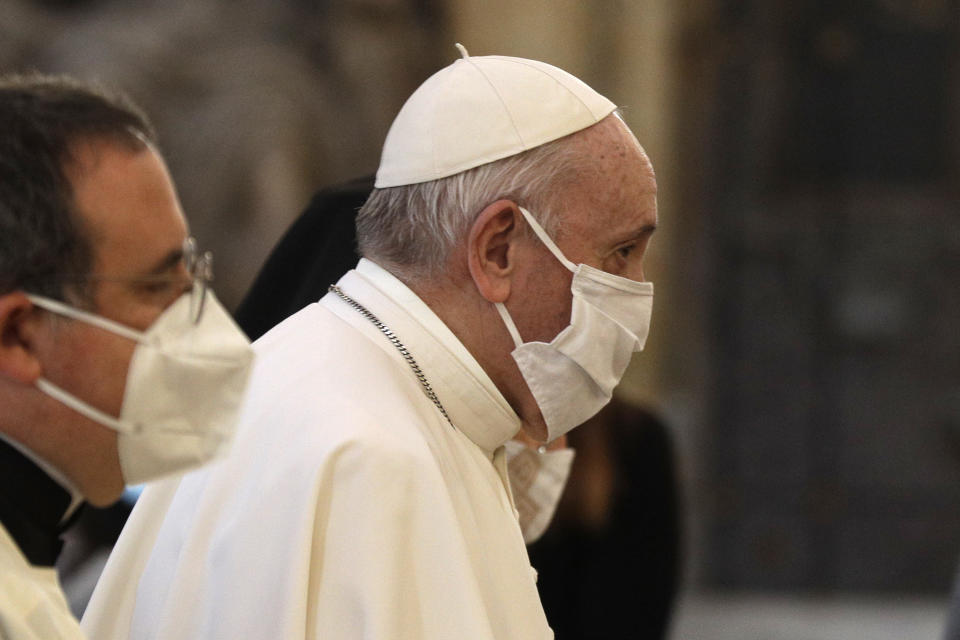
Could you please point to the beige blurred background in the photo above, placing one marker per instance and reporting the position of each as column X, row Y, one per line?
column 804, row 349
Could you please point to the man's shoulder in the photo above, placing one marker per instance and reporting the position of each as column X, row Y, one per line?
column 333, row 437
column 316, row 343
column 322, row 383
column 313, row 324
column 371, row 422
column 31, row 603
column 318, row 357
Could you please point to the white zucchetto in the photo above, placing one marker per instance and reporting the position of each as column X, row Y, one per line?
column 480, row 109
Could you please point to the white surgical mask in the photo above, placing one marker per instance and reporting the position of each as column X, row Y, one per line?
column 183, row 390
column 573, row 376
column 537, row 479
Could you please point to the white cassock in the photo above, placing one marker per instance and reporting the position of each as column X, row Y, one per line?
column 32, row 605
column 348, row 507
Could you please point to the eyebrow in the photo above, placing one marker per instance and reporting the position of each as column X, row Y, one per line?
column 645, row 230
column 168, row 262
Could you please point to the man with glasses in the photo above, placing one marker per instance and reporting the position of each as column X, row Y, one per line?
column 117, row 366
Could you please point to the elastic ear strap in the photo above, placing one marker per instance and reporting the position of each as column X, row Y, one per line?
column 507, row 320
column 547, row 240
column 82, row 407
column 90, row 318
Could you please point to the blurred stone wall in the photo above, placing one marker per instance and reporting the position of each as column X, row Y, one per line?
column 829, row 221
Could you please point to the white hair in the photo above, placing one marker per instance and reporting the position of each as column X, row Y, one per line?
column 412, row 229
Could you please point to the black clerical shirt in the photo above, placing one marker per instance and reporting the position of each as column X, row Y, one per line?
column 32, row 507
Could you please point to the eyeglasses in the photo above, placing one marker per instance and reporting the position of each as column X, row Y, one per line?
column 198, row 265
column 200, row 268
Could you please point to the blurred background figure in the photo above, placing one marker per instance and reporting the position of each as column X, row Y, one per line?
column 804, row 349
column 319, row 247
column 609, row 563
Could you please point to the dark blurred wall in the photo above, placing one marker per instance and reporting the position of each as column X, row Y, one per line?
column 828, row 189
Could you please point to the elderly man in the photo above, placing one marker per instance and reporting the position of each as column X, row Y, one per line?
column 116, row 365
column 368, row 497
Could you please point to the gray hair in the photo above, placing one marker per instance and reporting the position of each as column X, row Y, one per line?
column 412, row 229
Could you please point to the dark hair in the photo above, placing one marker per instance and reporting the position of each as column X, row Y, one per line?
column 42, row 120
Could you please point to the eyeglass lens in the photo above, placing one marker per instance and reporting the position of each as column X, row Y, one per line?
column 200, row 268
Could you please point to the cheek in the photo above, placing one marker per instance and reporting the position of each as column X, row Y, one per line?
column 549, row 306
column 137, row 309
column 92, row 364
column 113, row 363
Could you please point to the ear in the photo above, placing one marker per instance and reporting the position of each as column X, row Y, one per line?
column 491, row 248
column 18, row 362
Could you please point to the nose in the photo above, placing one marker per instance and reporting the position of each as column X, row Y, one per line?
column 636, row 273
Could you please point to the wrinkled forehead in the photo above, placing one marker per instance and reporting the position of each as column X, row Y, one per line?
column 616, row 145
column 615, row 176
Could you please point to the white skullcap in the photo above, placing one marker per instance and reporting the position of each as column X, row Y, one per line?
column 481, row 109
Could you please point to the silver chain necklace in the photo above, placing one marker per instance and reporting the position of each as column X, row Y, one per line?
column 395, row 341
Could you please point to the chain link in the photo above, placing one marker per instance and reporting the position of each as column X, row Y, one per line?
column 395, row 341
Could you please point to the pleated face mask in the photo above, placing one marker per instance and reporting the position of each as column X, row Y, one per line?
column 183, row 391
column 573, row 376
column 537, row 479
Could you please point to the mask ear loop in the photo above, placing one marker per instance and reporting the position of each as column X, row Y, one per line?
column 507, row 320
column 70, row 400
column 547, row 240
column 555, row 250
column 95, row 414
column 83, row 408
column 56, row 306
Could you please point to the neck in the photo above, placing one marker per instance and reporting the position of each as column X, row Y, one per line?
column 478, row 326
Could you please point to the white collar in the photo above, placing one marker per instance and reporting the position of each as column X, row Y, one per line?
column 475, row 405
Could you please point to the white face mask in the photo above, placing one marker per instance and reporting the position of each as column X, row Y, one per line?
column 573, row 376
column 183, row 391
column 537, row 479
